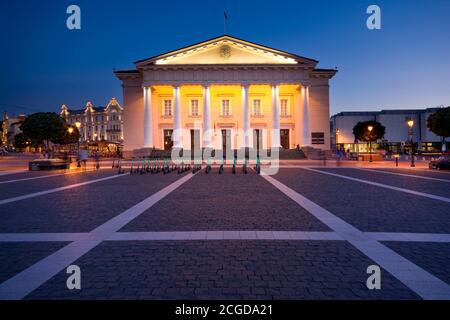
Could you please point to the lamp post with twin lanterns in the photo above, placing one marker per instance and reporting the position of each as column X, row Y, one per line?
column 410, row 123
column 370, row 128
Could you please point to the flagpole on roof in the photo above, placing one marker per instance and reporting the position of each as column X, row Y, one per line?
column 225, row 17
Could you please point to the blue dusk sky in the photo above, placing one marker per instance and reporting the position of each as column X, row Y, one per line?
column 406, row 64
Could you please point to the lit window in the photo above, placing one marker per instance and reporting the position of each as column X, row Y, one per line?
column 167, row 108
column 225, row 107
column 194, row 107
column 257, row 107
column 284, row 107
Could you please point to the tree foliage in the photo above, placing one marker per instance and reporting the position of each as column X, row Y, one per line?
column 439, row 122
column 362, row 133
column 20, row 141
column 69, row 137
column 44, row 127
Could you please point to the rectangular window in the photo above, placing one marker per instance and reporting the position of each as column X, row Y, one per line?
column 194, row 107
column 317, row 138
column 257, row 107
column 167, row 107
column 226, row 107
column 284, row 107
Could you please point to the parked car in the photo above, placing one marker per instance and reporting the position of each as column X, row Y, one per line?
column 442, row 162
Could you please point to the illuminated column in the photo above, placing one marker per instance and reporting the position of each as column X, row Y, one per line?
column 176, row 118
column 148, row 134
column 306, row 117
column 246, row 116
column 206, row 117
column 275, row 117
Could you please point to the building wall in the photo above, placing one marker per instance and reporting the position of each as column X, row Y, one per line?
column 393, row 120
column 134, row 113
column 320, row 110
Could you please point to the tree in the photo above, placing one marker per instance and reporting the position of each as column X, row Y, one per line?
column 20, row 141
column 362, row 133
column 44, row 127
column 439, row 122
column 71, row 135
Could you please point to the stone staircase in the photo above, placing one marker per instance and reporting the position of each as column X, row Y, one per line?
column 292, row 154
column 312, row 153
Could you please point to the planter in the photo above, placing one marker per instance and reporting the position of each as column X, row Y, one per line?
column 48, row 164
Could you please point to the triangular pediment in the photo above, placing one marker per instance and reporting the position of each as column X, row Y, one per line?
column 226, row 50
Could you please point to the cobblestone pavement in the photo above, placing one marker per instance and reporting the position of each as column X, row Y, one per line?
column 370, row 208
column 17, row 256
column 434, row 257
column 226, row 202
column 440, row 188
column 152, row 207
column 80, row 209
column 224, row 270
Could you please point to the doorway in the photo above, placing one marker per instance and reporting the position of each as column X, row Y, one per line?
column 284, row 138
column 168, row 139
column 195, row 139
column 226, row 140
column 257, row 139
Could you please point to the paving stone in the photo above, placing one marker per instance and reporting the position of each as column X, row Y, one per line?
column 369, row 208
column 309, row 280
column 226, row 202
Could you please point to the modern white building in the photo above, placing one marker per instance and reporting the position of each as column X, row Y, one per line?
column 397, row 136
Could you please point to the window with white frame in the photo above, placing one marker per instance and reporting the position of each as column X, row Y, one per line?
column 167, row 107
column 284, row 107
column 225, row 107
column 257, row 110
column 194, row 107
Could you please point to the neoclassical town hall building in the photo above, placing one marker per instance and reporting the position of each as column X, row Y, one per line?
column 226, row 93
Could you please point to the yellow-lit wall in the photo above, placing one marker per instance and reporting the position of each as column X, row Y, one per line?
column 134, row 113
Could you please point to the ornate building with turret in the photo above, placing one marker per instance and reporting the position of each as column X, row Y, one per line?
column 97, row 123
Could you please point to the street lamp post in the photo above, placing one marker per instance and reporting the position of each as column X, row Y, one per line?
column 78, row 125
column 410, row 124
column 70, row 130
column 370, row 128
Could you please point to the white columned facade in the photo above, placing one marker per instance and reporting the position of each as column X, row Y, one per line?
column 207, row 134
column 306, row 117
column 148, row 134
column 275, row 117
column 245, row 116
column 177, row 134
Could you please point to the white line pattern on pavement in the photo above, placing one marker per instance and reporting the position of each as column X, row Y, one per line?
column 71, row 186
column 31, row 278
column 403, row 174
column 220, row 235
column 414, row 277
column 46, row 176
column 416, row 193
column 6, row 173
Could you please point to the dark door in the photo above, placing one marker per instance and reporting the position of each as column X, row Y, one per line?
column 195, row 139
column 284, row 138
column 226, row 140
column 168, row 142
column 257, row 139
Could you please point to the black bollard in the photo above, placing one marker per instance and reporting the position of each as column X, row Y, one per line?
column 221, row 169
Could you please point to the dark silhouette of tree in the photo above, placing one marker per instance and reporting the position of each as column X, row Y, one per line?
column 20, row 141
column 44, row 127
column 362, row 133
column 439, row 122
column 69, row 137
